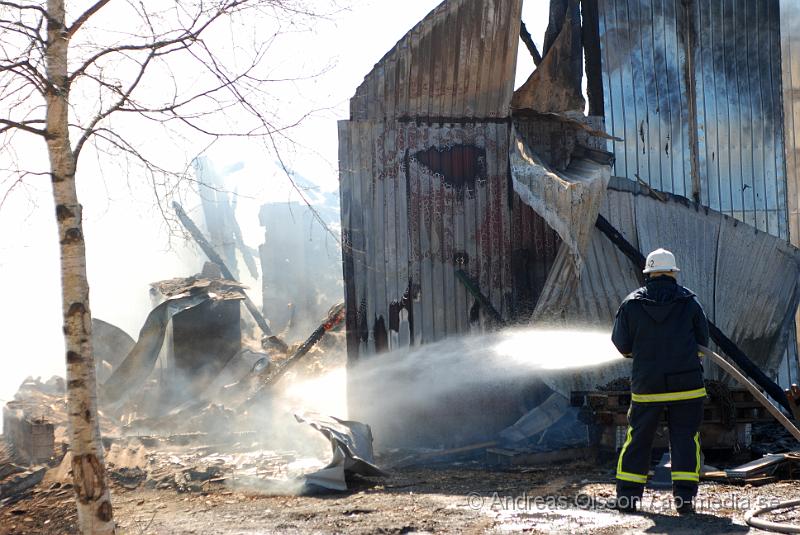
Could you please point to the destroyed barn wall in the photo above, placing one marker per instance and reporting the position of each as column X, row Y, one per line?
column 409, row 226
column 204, row 339
column 32, row 439
column 694, row 91
column 424, row 179
column 458, row 62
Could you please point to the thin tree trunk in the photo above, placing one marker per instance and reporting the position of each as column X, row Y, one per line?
column 88, row 470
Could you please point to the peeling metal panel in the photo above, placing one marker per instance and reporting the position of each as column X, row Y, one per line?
column 693, row 95
column 569, row 201
column 751, row 312
column 459, row 61
column 690, row 234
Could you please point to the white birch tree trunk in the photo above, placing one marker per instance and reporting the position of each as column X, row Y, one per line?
column 88, row 470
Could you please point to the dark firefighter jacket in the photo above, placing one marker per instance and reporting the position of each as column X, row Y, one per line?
column 660, row 326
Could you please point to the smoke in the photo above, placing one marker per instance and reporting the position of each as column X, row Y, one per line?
column 467, row 389
column 450, row 393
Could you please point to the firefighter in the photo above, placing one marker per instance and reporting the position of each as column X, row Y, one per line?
column 660, row 327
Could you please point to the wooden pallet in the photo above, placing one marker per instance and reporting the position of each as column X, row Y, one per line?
column 610, row 408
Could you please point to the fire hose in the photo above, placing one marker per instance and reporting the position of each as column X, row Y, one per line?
column 751, row 518
column 760, row 523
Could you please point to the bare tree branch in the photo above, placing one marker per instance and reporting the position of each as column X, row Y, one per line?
column 34, row 7
column 25, row 126
column 84, row 17
column 102, row 115
column 186, row 37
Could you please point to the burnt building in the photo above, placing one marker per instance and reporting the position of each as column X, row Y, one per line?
column 466, row 203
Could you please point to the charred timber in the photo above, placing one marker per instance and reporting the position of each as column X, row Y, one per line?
column 472, row 288
column 525, row 35
column 334, row 319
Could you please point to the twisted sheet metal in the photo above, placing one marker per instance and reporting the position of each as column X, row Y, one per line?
column 747, row 280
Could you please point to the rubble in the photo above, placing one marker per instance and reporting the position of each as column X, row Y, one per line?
column 767, row 469
column 203, row 444
column 18, row 483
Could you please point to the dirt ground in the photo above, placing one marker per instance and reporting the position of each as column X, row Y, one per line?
column 456, row 499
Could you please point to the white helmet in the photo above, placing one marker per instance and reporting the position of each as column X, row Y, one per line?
column 660, row 261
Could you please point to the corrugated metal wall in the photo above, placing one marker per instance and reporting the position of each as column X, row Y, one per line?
column 757, row 314
column 424, row 178
column 708, row 125
column 409, row 226
column 645, row 91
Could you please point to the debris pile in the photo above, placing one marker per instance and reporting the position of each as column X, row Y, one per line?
column 192, row 405
column 16, row 480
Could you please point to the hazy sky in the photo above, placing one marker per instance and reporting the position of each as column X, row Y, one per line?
column 128, row 245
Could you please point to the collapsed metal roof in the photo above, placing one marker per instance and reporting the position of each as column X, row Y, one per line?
column 747, row 280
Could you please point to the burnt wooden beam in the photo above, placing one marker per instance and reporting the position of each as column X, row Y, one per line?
column 336, row 316
column 558, row 14
column 590, row 34
column 525, row 35
column 473, row 289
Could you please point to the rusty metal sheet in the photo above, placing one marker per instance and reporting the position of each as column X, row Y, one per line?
column 424, row 189
column 430, row 199
column 458, row 61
